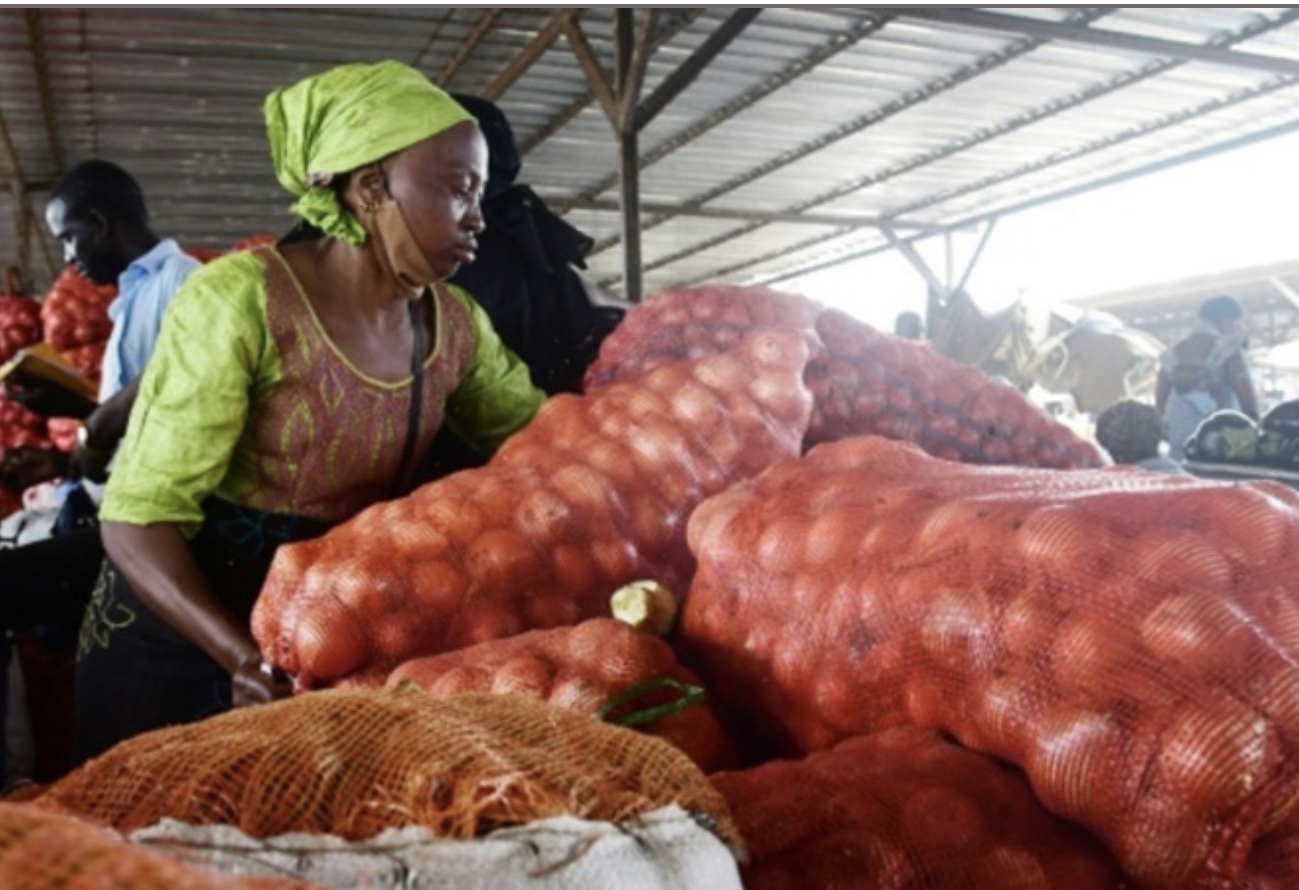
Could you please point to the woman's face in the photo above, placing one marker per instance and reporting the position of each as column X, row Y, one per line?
column 438, row 184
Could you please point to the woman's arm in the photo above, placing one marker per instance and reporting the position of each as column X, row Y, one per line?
column 156, row 561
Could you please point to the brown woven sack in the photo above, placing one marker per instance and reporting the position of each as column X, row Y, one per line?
column 587, row 668
column 1128, row 638
column 40, row 850
column 592, row 495
column 905, row 807
column 354, row 762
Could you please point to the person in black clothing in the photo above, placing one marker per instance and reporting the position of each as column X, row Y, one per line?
column 524, row 275
column 526, row 278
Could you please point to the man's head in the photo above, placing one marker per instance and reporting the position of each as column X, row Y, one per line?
column 909, row 325
column 1130, row 431
column 1223, row 312
column 97, row 213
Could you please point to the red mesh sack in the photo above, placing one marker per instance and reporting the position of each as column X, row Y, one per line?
column 20, row 324
column 585, row 668
column 693, row 322
column 20, row 428
column 904, row 807
column 75, row 311
column 592, row 495
column 355, row 762
column 862, row 381
column 40, row 850
column 1128, row 638
column 88, row 358
column 879, row 384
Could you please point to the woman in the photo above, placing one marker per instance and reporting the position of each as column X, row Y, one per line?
column 290, row 389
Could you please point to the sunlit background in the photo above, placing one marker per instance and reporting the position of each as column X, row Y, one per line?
column 1233, row 210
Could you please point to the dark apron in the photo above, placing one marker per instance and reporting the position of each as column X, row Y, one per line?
column 134, row 672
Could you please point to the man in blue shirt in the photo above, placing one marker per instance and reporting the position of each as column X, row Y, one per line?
column 98, row 214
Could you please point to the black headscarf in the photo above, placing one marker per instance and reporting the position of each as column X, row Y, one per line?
column 524, row 275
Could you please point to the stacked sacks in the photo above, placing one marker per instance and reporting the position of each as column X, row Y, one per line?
column 592, row 495
column 1129, row 639
column 862, row 381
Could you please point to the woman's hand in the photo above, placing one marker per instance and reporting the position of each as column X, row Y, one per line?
column 255, row 682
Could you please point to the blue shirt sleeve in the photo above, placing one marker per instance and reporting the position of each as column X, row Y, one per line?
column 136, row 331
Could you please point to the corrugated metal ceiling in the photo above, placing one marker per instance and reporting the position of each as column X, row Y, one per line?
column 794, row 143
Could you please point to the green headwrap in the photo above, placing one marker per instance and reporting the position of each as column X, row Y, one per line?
column 343, row 119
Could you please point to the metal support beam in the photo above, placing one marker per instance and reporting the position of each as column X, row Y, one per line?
column 25, row 220
column 628, row 158
column 530, row 53
column 837, row 220
column 678, row 21
column 481, row 30
column 978, row 252
column 692, row 67
column 596, row 77
column 41, row 71
column 632, row 64
column 800, row 67
column 908, row 250
column 1119, row 40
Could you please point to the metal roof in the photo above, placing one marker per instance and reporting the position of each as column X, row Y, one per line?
column 769, row 141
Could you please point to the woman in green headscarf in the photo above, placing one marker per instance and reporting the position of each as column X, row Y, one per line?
column 291, row 388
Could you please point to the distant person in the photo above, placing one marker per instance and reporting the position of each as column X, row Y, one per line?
column 1133, row 433
column 1206, row 371
column 909, row 326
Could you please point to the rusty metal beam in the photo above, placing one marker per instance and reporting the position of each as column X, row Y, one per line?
column 632, row 67
column 692, row 67
column 418, row 60
column 530, row 53
column 911, row 99
column 628, row 162
column 596, row 77
column 481, row 30
column 837, row 44
column 25, row 220
column 41, row 71
column 680, row 20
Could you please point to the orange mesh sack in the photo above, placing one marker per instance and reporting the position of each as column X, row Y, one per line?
column 592, row 495
column 863, row 381
column 905, row 807
column 40, row 850
column 692, row 323
column 354, row 762
column 586, row 668
column 1128, row 638
column 876, row 383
